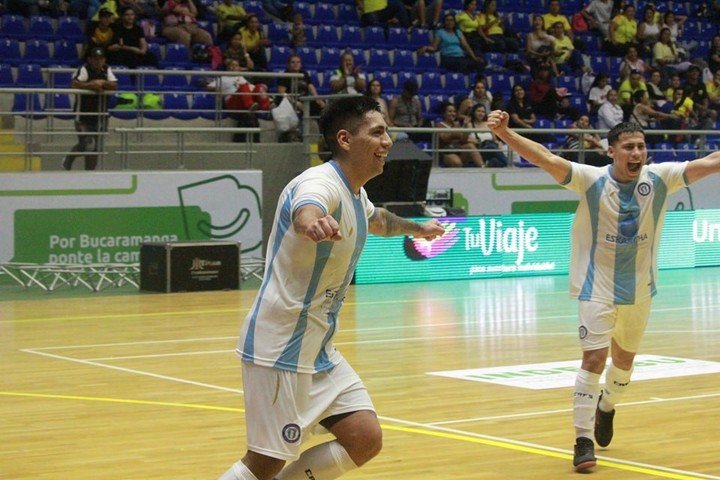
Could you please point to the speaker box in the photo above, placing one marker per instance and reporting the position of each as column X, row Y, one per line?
column 189, row 266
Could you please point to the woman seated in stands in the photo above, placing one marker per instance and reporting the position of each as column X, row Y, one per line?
column 522, row 114
column 666, row 55
column 455, row 53
column 542, row 94
column 623, row 32
column 255, row 42
column 236, row 51
column 479, row 94
column 405, row 110
column 456, row 148
column 598, row 92
column 375, row 91
column 180, row 23
column 128, row 46
column 594, row 152
column 539, row 45
column 493, row 30
column 304, row 86
column 648, row 30
column 484, row 139
column 632, row 61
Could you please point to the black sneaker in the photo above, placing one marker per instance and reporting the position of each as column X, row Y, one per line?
column 603, row 426
column 67, row 163
column 584, row 454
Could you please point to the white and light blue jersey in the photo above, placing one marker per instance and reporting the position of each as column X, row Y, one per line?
column 617, row 230
column 295, row 315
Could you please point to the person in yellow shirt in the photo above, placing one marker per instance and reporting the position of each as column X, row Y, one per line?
column 230, row 18
column 713, row 91
column 553, row 16
column 469, row 23
column 255, row 42
column 623, row 32
column 493, row 31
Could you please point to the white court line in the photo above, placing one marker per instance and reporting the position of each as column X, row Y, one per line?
column 430, row 426
column 158, row 355
column 652, row 400
column 133, row 371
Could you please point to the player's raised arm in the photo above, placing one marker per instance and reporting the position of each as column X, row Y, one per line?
column 311, row 221
column 386, row 224
column 535, row 153
column 702, row 167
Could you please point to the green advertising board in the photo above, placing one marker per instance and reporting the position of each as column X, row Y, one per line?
column 521, row 245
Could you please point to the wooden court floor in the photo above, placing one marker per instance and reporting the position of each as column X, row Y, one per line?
column 146, row 386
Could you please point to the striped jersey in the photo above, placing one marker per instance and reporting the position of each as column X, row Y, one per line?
column 616, row 231
column 295, row 315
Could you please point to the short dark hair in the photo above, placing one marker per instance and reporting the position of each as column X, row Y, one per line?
column 345, row 113
column 621, row 128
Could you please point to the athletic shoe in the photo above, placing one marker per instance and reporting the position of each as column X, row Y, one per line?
column 66, row 163
column 603, row 426
column 584, row 454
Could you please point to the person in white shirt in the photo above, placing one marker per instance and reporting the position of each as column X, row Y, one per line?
column 610, row 113
column 295, row 382
column 598, row 13
column 613, row 263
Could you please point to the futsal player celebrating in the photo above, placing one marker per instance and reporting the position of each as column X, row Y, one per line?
column 613, row 268
column 294, row 379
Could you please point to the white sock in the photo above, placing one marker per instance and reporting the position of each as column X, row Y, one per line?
column 616, row 383
column 322, row 462
column 585, row 398
column 238, row 472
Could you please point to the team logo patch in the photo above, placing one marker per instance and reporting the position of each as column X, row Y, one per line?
column 583, row 332
column 644, row 189
column 291, row 432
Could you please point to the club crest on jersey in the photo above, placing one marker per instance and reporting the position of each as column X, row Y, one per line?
column 643, row 189
column 291, row 432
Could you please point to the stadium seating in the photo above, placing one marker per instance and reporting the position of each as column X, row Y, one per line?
column 10, row 51
column 41, row 27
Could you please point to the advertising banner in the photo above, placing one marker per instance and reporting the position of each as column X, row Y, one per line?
column 94, row 217
column 521, row 245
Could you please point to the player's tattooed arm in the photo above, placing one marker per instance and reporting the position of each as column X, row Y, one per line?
column 386, row 224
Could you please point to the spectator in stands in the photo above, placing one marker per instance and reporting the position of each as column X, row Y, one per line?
column 632, row 62
column 420, row 10
column 597, row 14
column 542, row 95
column 478, row 95
column 675, row 82
column 566, row 110
column 96, row 6
column 666, row 56
column 655, row 93
column 238, row 93
column 492, row 28
column 25, row 8
column 383, row 13
column 566, row 58
column 280, row 9
column 375, row 91
column 676, row 25
column 468, row 21
column 685, row 109
column 298, row 30
column 554, row 16
column 648, row 30
column 455, row 53
column 236, row 51
column 405, row 110
column 695, row 88
column 713, row 91
column 539, row 44
column 456, row 148
column 522, row 114
column 484, row 139
column 594, row 151
column 623, row 32
column 634, row 83
column 610, row 113
column 180, row 23
column 348, row 78
column 598, row 92
column 648, row 117
column 100, row 33
column 304, row 86
column 230, row 17
column 255, row 42
column 91, row 110
column 713, row 58
column 128, row 46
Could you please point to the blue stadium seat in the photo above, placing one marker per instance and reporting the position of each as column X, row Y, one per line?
column 304, row 9
column 431, row 82
column 420, row 37
column 662, row 156
column 398, row 38
column 326, row 35
column 324, row 14
column 579, row 102
column 500, row 82
column 66, row 53
column 455, row 82
column 329, row 57
column 6, row 76
column 347, row 14
column 351, row 36
column 255, row 7
column 599, row 63
column 308, row 55
column 495, row 58
column 126, row 82
column 38, row 52
column 359, row 56
column 13, row 26
column 22, row 107
column 614, row 66
column 60, row 104
column 379, row 58
column 434, row 102
column 278, row 33
column 520, row 21
column 29, row 75
column 374, row 36
column 404, row 60
column 148, row 81
column 404, row 76
column 386, row 79
column 205, row 105
column 155, row 49
column 176, row 55
column 564, row 123
column 568, row 81
column 174, row 82
column 179, row 106
column 278, row 56
column 69, row 28
column 426, row 62
column 41, row 26
column 10, row 51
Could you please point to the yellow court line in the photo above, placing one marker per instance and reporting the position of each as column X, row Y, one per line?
column 410, row 430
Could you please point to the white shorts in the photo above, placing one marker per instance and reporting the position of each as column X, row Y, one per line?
column 602, row 322
column 282, row 408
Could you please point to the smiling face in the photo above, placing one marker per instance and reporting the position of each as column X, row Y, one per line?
column 629, row 154
column 368, row 147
